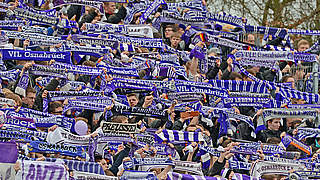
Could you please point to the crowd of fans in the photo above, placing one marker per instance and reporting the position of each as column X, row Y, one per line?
column 136, row 110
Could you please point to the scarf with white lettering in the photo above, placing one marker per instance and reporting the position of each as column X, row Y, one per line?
column 226, row 42
column 125, row 72
column 138, row 111
column 126, row 29
column 288, row 140
column 20, row 121
column 285, row 92
column 239, row 165
column 95, row 41
column 78, row 69
column 26, row 112
column 15, row 135
column 164, row 149
column 61, row 95
column 185, row 96
column 304, row 175
column 35, row 39
column 285, row 113
column 92, row 50
column 61, row 121
column 272, row 149
column 79, row 105
column 34, row 29
column 13, row 54
column 188, row 86
column 134, row 8
column 149, row 162
column 275, row 56
column 60, row 135
column 22, row 84
column 195, row 4
column 68, row 150
column 136, row 41
column 43, row 17
column 304, row 106
column 11, row 75
column 307, row 133
column 42, row 170
column 151, row 9
column 11, row 25
column 246, row 101
column 36, row 135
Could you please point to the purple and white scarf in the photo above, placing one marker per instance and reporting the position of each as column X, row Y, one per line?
column 42, row 170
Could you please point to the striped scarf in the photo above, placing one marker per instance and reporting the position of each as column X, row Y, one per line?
column 83, row 166
column 178, row 136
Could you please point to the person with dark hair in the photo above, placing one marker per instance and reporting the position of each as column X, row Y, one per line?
column 30, row 98
column 133, row 99
column 55, row 108
column 288, row 78
column 175, row 40
column 273, row 126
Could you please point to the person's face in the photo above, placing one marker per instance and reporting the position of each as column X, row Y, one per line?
column 231, row 175
column 291, row 121
column 29, row 99
column 274, row 124
column 300, row 101
column 291, row 80
column 192, row 129
column 181, row 31
column 103, row 164
column 175, row 41
column 303, row 47
column 98, row 17
column 168, row 32
column 133, row 101
column 110, row 8
column 256, row 69
column 58, row 111
column 125, row 121
column 250, row 39
column 87, row 9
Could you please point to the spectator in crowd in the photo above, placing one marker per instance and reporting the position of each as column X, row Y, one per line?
column 273, row 126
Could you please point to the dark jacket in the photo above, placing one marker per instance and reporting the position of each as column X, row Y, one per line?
column 244, row 132
column 212, row 73
column 52, row 86
column 264, row 135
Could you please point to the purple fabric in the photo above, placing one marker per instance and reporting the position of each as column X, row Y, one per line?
column 9, row 152
column 176, row 176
